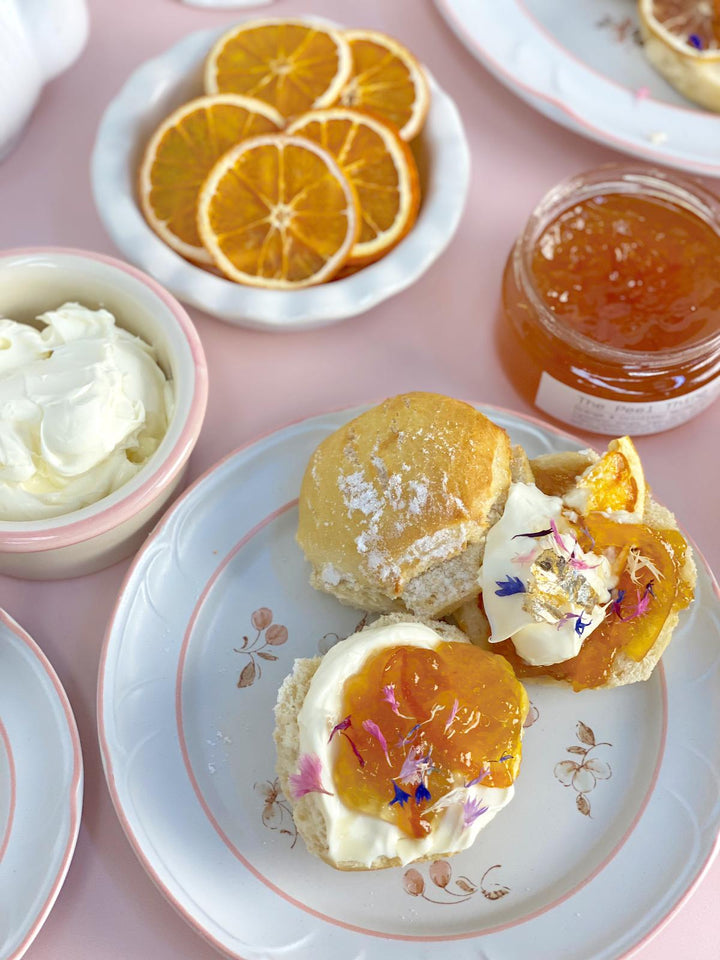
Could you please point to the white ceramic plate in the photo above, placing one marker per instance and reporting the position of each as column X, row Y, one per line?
column 581, row 64
column 41, row 782
column 162, row 84
column 208, row 623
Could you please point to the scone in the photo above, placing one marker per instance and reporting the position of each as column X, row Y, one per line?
column 395, row 505
column 584, row 575
column 400, row 744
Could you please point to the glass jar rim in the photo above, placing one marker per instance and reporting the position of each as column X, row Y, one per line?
column 638, row 180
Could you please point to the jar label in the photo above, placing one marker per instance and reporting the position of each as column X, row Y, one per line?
column 616, row 417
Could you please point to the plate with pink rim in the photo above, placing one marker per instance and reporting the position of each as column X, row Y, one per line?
column 41, row 782
column 582, row 65
column 616, row 812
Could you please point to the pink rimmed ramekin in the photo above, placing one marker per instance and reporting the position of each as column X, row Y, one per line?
column 36, row 279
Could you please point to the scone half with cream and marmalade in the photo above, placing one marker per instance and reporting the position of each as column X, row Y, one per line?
column 380, row 750
column 585, row 574
column 395, row 505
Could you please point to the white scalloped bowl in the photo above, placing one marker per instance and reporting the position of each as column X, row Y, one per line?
column 82, row 541
column 160, row 85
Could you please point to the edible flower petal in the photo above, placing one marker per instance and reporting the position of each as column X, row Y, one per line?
column 525, row 557
column 509, row 586
column 401, row 796
column 581, row 626
column 538, row 533
column 472, row 809
column 339, row 727
column 374, row 730
column 414, row 767
column 695, row 41
column 453, row 714
column 389, row 697
column 355, row 750
column 479, row 778
column 421, row 793
column 308, row 779
column 559, row 542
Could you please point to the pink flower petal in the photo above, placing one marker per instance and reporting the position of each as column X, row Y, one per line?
column 374, row 730
column 308, row 779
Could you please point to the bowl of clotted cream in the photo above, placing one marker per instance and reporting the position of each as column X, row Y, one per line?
column 103, row 388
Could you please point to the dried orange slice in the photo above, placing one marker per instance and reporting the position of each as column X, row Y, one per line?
column 182, row 152
column 681, row 38
column 614, row 482
column 381, row 168
column 294, row 65
column 277, row 211
column 387, row 81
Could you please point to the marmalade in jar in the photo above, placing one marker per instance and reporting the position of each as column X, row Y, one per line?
column 613, row 290
column 423, row 722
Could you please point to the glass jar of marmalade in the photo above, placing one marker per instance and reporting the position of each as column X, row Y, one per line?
column 612, row 301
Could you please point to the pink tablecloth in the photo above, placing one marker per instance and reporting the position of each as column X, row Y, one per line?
column 436, row 336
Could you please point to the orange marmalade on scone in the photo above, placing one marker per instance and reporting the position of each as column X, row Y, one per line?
column 426, row 722
column 409, row 740
column 577, row 587
column 612, row 293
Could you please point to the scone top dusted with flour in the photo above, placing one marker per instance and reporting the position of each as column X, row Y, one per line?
column 585, row 574
column 400, row 744
column 395, row 505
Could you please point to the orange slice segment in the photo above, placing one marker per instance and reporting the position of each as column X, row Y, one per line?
column 278, row 212
column 380, row 167
column 386, row 81
column 614, row 482
column 180, row 155
column 291, row 64
column 681, row 38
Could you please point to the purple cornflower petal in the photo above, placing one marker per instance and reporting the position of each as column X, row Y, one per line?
column 581, row 626
column 566, row 619
column 411, row 767
column 401, row 796
column 695, row 41
column 617, row 602
column 308, row 779
column 374, row 730
column 479, row 778
column 421, row 793
column 409, row 735
column 453, row 714
column 505, row 756
column 511, row 585
column 539, row 533
column 472, row 809
column 339, row 727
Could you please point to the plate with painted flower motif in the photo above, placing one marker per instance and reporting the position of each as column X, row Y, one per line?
column 212, row 614
column 582, row 65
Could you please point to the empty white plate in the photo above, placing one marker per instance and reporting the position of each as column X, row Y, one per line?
column 41, row 781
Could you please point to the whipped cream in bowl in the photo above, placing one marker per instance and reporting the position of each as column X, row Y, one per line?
column 103, row 387
column 83, row 406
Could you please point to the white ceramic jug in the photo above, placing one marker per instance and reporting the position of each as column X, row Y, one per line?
column 38, row 40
